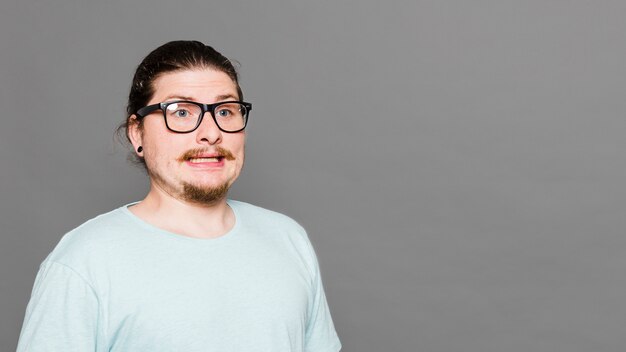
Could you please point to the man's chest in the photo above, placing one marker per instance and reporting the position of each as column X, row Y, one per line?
column 199, row 301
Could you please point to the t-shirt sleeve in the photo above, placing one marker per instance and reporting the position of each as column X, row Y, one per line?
column 62, row 314
column 320, row 334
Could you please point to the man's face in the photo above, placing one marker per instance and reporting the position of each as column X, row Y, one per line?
column 201, row 165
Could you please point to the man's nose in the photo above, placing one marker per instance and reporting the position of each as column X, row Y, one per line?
column 208, row 132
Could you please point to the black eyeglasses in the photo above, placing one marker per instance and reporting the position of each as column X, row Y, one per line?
column 185, row 116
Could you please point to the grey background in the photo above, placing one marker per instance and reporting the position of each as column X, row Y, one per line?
column 459, row 165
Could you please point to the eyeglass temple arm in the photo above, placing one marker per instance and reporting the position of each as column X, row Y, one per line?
column 143, row 112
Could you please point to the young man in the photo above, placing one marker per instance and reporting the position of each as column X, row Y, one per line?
column 184, row 269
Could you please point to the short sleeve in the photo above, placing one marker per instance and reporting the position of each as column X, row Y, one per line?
column 320, row 334
column 62, row 314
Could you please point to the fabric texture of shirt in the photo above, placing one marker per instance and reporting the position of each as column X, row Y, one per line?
column 117, row 283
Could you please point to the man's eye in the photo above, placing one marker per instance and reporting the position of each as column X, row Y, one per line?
column 181, row 113
column 182, row 110
column 224, row 113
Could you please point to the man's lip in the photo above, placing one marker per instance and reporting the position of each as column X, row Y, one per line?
column 218, row 152
column 200, row 156
column 206, row 159
column 205, row 162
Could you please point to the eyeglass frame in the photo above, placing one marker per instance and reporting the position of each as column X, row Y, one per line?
column 147, row 110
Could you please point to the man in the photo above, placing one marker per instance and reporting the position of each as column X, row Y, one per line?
column 184, row 269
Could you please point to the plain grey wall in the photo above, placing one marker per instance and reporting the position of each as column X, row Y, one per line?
column 459, row 165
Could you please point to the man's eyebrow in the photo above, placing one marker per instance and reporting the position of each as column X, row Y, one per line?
column 217, row 98
column 178, row 97
column 226, row 97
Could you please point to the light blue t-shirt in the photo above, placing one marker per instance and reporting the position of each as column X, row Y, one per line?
column 119, row 284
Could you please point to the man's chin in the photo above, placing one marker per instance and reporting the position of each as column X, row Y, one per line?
column 204, row 195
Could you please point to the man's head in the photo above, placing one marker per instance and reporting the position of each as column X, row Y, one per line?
column 202, row 163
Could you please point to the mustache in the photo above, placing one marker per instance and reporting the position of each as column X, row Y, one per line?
column 193, row 153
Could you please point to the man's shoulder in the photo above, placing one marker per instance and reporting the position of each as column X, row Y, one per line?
column 91, row 237
column 258, row 216
column 275, row 230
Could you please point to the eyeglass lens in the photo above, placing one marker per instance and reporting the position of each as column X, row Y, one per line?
column 184, row 116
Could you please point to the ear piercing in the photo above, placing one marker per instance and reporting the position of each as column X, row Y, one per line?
column 140, row 149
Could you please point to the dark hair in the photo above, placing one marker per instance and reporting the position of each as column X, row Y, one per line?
column 170, row 57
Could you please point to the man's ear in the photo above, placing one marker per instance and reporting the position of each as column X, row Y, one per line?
column 135, row 134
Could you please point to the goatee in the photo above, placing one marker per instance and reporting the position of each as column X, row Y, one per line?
column 204, row 195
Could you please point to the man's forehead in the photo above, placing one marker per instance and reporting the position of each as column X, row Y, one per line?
column 204, row 85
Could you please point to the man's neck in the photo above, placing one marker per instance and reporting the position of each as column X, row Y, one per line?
column 184, row 218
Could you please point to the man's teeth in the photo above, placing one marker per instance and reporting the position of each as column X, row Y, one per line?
column 204, row 160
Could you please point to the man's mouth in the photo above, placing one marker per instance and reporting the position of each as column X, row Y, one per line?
column 197, row 156
column 215, row 159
